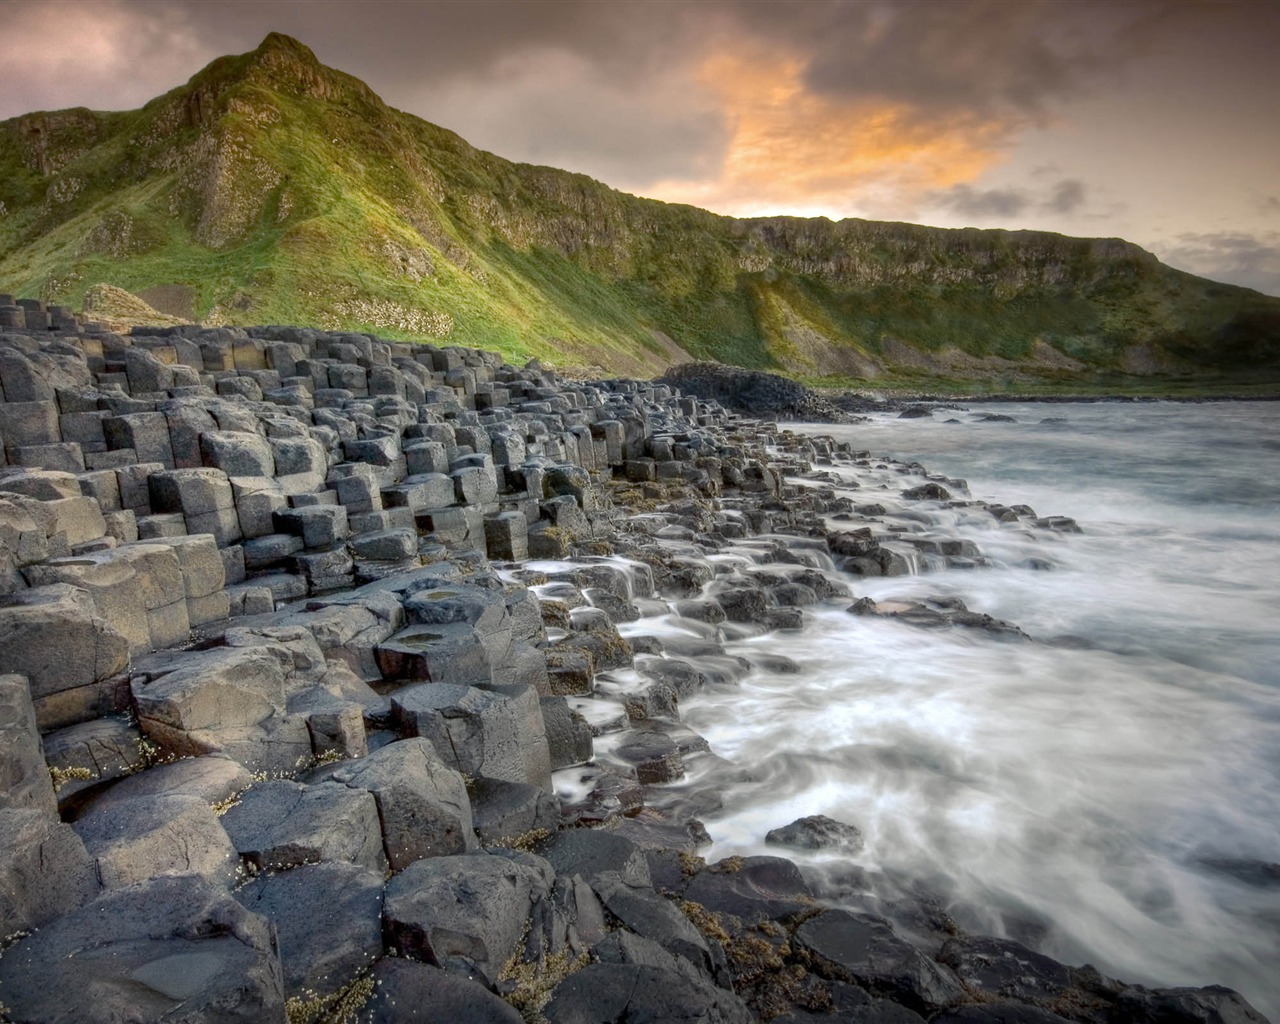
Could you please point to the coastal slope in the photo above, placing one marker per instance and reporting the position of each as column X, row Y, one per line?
column 271, row 188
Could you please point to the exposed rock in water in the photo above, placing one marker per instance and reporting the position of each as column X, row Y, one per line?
column 753, row 392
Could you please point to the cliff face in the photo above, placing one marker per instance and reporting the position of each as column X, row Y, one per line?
column 271, row 188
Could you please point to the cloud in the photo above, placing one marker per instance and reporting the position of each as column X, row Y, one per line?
column 874, row 108
column 1251, row 260
column 982, row 204
column 792, row 151
column 60, row 54
column 1067, row 196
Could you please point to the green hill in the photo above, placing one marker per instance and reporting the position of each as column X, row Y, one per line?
column 271, row 189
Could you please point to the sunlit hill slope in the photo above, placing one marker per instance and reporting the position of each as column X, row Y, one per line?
column 272, row 189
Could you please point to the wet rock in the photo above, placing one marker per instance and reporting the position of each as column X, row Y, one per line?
column 405, row 990
column 568, row 733
column 599, row 795
column 655, row 757
column 999, row 1013
column 169, row 948
column 601, row 858
column 464, row 913
column 753, row 889
column 817, row 832
column 927, row 492
column 744, row 604
column 635, row 994
column 504, row 811
column 1005, row 969
column 1213, row 1004
column 328, row 919
column 649, row 915
column 863, row 949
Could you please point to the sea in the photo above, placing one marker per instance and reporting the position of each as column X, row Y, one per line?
column 1107, row 791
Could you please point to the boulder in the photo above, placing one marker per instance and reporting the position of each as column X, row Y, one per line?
column 225, row 700
column 422, row 803
column 213, row 778
column 45, row 871
column 504, row 811
column 133, row 840
column 465, row 913
column 328, row 919
column 54, row 637
column 863, row 949
column 165, row 949
column 24, row 775
column 817, row 832
column 498, row 733
column 280, row 824
column 601, row 858
column 609, row 993
column 405, row 990
column 752, row 888
column 237, row 453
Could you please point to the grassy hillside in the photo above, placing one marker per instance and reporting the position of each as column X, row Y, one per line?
column 273, row 189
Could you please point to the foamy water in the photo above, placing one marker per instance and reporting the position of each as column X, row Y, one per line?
column 1108, row 791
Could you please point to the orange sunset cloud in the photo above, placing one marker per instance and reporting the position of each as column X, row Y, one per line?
column 794, row 151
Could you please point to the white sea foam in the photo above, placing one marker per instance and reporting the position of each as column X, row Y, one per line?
column 1118, row 800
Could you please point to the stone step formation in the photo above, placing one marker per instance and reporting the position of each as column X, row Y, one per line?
column 315, row 702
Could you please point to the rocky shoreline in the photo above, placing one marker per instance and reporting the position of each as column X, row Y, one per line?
column 340, row 679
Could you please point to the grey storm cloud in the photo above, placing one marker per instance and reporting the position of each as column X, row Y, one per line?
column 982, row 204
column 999, row 204
column 610, row 88
column 1067, row 196
column 1251, row 260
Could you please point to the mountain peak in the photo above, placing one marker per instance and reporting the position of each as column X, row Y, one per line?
column 277, row 46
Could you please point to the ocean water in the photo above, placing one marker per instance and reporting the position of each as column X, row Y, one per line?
column 1108, row 791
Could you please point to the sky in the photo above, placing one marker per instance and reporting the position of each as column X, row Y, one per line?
column 1154, row 121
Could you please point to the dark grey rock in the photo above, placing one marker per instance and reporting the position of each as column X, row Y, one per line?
column 504, row 810
column 609, row 993
column 279, row 824
column 24, row 775
column 568, row 733
column 328, row 918
column 422, row 802
column 407, row 991
column 45, row 870
column 647, row 914
column 655, row 756
column 817, row 832
column 752, row 888
column 134, row 840
column 1213, row 1004
column 480, row 732
column 601, row 858
column 1006, row 969
column 464, row 913
column 864, row 950
column 174, row 949
column 999, row 1013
